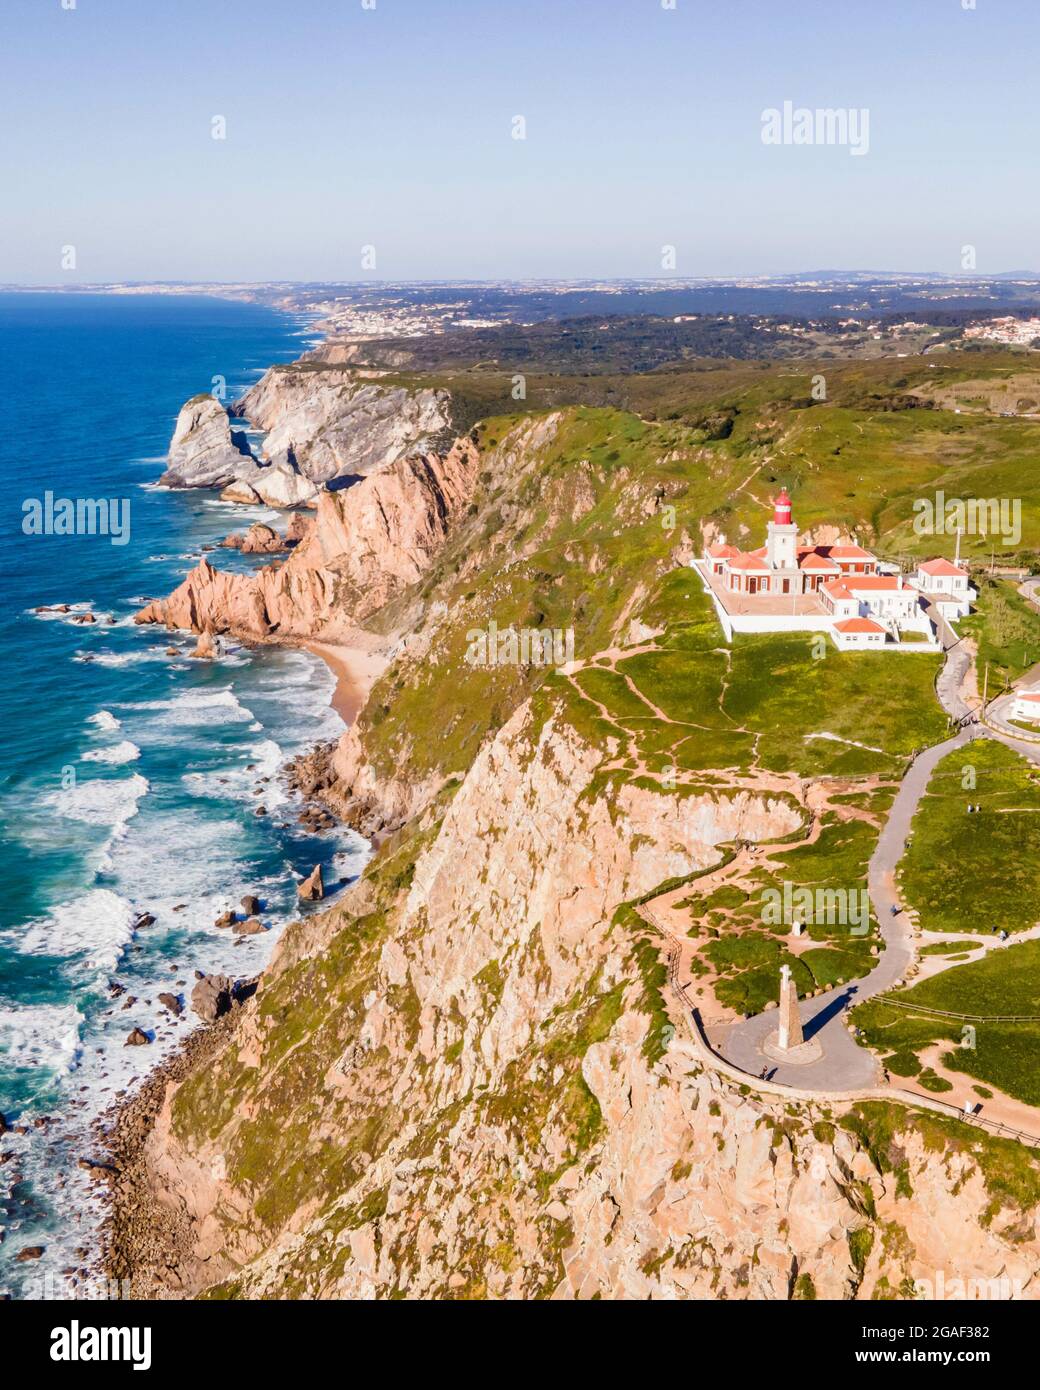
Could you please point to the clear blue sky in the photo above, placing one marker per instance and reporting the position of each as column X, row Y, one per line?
column 391, row 127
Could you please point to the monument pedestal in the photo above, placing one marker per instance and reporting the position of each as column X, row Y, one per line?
column 798, row 1056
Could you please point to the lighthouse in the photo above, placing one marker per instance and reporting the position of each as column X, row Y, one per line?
column 782, row 537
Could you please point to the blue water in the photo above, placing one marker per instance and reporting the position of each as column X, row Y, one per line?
column 130, row 777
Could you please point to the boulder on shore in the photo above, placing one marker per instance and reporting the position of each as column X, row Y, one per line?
column 214, row 995
column 98, row 1169
column 312, row 889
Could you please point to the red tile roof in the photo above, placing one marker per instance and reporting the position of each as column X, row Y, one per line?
column 858, row 625
column 893, row 582
column 849, row 552
column 837, row 589
column 943, row 567
column 813, row 560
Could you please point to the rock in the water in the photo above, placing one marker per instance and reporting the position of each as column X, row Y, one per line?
column 171, row 1002
column 142, row 920
column 250, row 927
column 206, row 648
column 225, row 919
column 312, row 889
column 136, row 1038
column 250, row 905
column 3, row 1123
column 258, row 540
column 28, row 1252
column 203, row 451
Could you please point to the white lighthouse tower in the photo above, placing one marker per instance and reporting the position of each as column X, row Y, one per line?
column 782, row 537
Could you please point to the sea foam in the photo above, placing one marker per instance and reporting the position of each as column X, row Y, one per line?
column 124, row 752
column 40, row 1035
column 91, row 931
column 104, row 721
column 109, row 802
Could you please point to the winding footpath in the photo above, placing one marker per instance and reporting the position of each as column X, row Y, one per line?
column 845, row 1065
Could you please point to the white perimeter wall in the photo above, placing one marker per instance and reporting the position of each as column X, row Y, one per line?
column 751, row 622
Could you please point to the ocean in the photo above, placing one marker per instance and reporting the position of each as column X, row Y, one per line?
column 131, row 776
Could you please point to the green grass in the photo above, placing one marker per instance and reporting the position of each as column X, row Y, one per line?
column 1007, row 630
column 968, row 873
column 777, row 693
column 949, row 948
column 1007, row 1055
column 685, row 685
column 1004, row 981
column 779, row 690
column 750, row 947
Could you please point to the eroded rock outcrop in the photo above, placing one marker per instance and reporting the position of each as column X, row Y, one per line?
column 258, row 540
column 312, row 889
column 203, row 451
column 328, row 423
column 367, row 542
column 277, row 485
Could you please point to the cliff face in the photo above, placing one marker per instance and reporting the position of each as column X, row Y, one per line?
column 332, row 424
column 466, row 1083
column 366, row 543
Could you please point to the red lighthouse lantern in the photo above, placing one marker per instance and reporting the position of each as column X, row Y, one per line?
column 782, row 509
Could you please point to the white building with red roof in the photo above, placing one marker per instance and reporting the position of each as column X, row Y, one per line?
column 947, row 586
column 882, row 596
column 841, row 589
column 1027, row 705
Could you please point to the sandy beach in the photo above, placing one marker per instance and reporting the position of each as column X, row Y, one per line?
column 356, row 672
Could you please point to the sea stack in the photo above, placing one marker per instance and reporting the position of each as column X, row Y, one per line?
column 312, row 889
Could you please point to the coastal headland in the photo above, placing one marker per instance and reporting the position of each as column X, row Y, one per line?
column 481, row 1035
